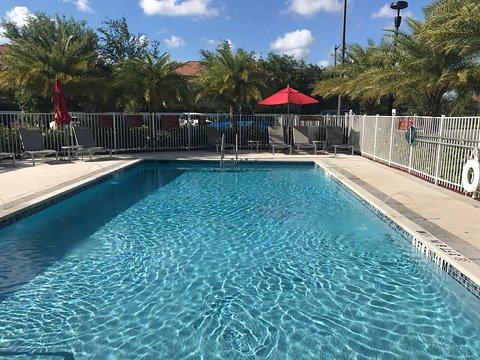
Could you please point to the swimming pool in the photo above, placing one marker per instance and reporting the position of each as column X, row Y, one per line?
column 176, row 260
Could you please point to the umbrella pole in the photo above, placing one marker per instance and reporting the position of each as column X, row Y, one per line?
column 290, row 123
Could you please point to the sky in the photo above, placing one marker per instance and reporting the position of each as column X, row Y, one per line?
column 306, row 29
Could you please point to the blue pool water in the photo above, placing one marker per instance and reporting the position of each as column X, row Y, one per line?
column 175, row 261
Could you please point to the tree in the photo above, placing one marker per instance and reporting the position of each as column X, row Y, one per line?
column 45, row 50
column 117, row 43
column 282, row 70
column 454, row 25
column 354, row 78
column 407, row 65
column 148, row 81
column 232, row 78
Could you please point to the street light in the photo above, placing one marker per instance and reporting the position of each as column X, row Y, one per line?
column 399, row 6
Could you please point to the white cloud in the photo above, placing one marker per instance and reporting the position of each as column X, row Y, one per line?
column 385, row 12
column 3, row 39
column 324, row 63
column 179, row 8
column 312, row 7
column 213, row 44
column 296, row 43
column 174, row 42
column 19, row 16
column 83, row 6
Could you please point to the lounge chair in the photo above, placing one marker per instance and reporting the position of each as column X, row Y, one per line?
column 215, row 140
column 336, row 139
column 276, row 139
column 32, row 143
column 6, row 155
column 303, row 138
column 86, row 143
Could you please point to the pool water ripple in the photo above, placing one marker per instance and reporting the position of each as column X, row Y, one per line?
column 273, row 262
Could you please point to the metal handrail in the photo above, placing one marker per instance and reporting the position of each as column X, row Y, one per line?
column 236, row 148
column 222, row 150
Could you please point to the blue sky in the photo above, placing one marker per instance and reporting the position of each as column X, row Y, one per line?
column 307, row 29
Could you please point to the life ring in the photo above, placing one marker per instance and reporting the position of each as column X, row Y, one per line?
column 471, row 176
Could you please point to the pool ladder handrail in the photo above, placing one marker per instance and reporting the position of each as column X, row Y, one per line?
column 222, row 150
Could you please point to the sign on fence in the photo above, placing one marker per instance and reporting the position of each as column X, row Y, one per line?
column 405, row 123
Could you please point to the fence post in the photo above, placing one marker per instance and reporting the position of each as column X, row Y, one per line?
column 410, row 155
column 153, row 132
column 375, row 138
column 439, row 149
column 363, row 132
column 114, row 131
column 189, row 134
column 392, row 129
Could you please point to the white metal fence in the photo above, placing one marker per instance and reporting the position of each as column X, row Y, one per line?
column 160, row 131
column 442, row 145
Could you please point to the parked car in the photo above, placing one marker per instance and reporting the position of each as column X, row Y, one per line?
column 193, row 119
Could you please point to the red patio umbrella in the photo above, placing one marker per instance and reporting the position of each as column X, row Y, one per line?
column 61, row 113
column 288, row 96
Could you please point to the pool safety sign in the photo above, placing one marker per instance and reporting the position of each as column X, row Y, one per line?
column 405, row 123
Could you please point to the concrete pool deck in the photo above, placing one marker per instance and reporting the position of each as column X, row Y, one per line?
column 425, row 210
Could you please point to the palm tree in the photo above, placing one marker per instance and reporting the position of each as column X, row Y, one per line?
column 454, row 25
column 414, row 70
column 45, row 50
column 230, row 77
column 359, row 77
column 149, row 80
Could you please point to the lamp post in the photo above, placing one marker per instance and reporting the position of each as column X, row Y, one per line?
column 344, row 34
column 399, row 6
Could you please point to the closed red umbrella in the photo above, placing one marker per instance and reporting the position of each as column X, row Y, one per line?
column 61, row 113
column 288, row 96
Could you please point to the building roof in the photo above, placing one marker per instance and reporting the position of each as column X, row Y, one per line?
column 190, row 68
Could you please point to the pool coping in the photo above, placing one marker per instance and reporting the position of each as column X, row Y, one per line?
column 33, row 203
column 449, row 260
column 462, row 269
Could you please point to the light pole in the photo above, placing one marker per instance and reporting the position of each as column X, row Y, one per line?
column 344, row 34
column 399, row 6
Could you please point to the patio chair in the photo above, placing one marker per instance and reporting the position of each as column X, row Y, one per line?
column 276, row 139
column 335, row 139
column 86, row 143
column 303, row 138
column 215, row 140
column 32, row 143
column 6, row 155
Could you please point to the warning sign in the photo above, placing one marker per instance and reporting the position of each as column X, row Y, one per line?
column 405, row 123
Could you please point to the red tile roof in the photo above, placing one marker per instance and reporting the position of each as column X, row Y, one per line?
column 190, row 68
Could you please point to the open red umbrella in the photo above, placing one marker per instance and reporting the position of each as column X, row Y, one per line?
column 288, row 96
column 61, row 113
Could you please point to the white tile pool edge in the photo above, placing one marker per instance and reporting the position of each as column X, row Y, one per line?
column 460, row 268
